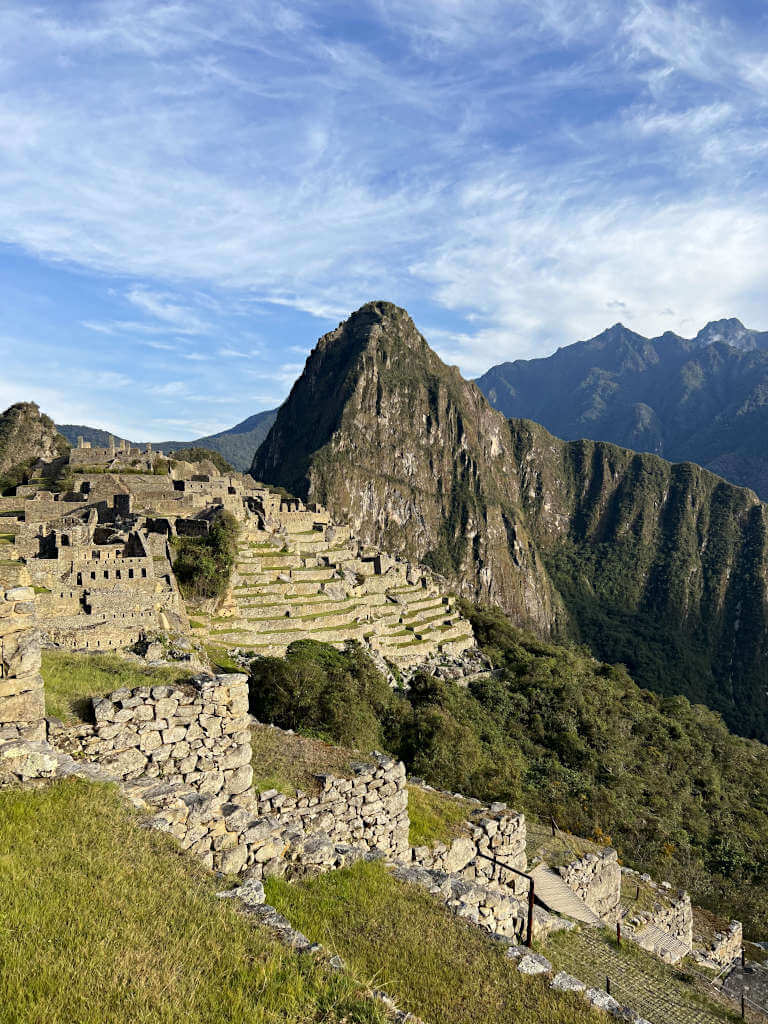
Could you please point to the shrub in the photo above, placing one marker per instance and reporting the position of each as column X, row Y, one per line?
column 203, row 565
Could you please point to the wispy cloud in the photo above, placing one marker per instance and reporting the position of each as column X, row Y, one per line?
column 529, row 170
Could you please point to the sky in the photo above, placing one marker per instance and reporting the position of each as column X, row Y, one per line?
column 192, row 192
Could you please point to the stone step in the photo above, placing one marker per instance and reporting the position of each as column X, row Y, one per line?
column 551, row 891
column 662, row 944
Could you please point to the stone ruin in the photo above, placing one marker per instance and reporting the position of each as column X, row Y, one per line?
column 22, row 702
column 100, row 560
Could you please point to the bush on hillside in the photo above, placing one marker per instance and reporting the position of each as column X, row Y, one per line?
column 203, row 565
column 557, row 734
column 336, row 695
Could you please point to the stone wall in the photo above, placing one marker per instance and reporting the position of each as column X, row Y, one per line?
column 493, row 831
column 269, row 833
column 724, row 949
column 675, row 917
column 497, row 912
column 197, row 734
column 22, row 700
column 596, row 879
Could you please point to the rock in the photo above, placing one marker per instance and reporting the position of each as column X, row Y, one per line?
column 533, row 963
column 461, row 852
column 566, row 983
column 125, row 762
column 600, row 1000
column 233, row 861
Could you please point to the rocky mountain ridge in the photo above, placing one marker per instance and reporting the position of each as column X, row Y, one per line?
column 27, row 435
column 703, row 399
column 662, row 567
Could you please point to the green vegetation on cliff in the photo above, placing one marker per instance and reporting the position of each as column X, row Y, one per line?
column 203, row 565
column 106, row 921
column 557, row 734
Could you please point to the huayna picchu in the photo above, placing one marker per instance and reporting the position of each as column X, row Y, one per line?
column 661, row 567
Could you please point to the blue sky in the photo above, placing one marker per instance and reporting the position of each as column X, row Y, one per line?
column 192, row 192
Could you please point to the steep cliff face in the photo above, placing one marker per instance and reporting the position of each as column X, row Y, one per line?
column 386, row 435
column 660, row 566
column 27, row 435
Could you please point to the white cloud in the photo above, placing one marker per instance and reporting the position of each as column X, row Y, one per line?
column 536, row 168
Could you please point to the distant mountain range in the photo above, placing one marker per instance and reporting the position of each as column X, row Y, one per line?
column 238, row 444
column 703, row 399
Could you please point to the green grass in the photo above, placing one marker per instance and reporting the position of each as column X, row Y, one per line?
column 290, row 762
column 433, row 964
column 434, row 818
column 104, row 921
column 7, row 538
column 72, row 679
column 220, row 659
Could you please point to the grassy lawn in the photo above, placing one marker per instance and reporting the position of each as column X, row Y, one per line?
column 435, row 818
column 105, row 922
column 400, row 939
column 72, row 679
column 288, row 763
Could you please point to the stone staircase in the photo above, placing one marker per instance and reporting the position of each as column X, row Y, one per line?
column 321, row 584
column 661, row 943
column 555, row 895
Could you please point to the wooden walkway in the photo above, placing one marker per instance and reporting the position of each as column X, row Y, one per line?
column 555, row 895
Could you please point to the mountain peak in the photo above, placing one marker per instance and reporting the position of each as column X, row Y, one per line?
column 730, row 331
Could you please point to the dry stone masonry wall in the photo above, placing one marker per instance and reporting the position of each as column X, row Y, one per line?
column 22, row 701
column 269, row 833
column 197, row 734
column 596, row 879
column 724, row 949
column 490, row 832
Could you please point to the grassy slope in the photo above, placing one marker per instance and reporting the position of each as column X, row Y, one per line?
column 432, row 963
column 72, row 679
column 435, row 818
column 103, row 921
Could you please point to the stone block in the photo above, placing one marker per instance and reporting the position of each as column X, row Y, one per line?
column 23, row 707
column 126, row 762
column 240, row 780
column 21, row 655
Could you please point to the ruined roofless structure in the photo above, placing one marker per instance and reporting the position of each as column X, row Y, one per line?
column 100, row 560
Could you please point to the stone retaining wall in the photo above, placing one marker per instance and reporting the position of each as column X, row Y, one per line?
column 725, row 948
column 499, row 913
column 269, row 833
column 676, row 918
column 196, row 733
column 596, row 879
column 493, row 831
column 22, row 699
